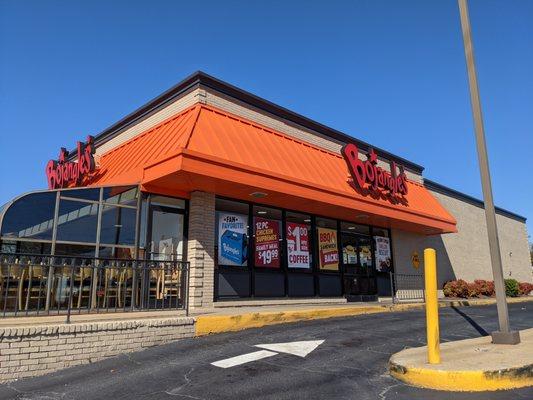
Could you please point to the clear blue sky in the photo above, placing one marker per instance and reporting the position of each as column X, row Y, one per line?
column 388, row 72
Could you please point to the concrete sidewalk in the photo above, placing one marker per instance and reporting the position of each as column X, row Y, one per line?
column 468, row 365
column 234, row 316
column 230, row 319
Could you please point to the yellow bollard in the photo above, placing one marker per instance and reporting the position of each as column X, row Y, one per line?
column 432, row 306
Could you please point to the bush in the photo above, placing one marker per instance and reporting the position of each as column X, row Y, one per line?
column 524, row 288
column 474, row 289
column 486, row 288
column 458, row 288
column 511, row 287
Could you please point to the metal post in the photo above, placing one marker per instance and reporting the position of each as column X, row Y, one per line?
column 432, row 306
column 391, row 276
column 69, row 305
column 504, row 335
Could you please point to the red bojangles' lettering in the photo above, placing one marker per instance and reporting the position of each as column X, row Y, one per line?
column 63, row 173
column 368, row 173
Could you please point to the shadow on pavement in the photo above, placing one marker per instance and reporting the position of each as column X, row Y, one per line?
column 474, row 324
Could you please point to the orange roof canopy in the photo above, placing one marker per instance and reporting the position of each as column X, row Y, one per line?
column 204, row 148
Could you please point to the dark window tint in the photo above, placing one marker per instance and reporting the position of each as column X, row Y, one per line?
column 125, row 195
column 34, row 248
column 74, row 250
column 77, row 221
column 122, row 253
column 84, row 194
column 350, row 227
column 118, row 225
column 31, row 216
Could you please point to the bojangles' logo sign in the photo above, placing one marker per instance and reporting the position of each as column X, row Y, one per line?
column 367, row 175
column 63, row 173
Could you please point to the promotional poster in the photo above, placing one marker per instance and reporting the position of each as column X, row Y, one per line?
column 267, row 243
column 327, row 247
column 232, row 239
column 383, row 256
column 298, row 245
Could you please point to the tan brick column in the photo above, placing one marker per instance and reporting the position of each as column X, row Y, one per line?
column 201, row 250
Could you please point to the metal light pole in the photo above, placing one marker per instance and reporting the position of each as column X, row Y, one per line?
column 504, row 335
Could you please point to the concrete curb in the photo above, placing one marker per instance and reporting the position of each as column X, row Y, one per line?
column 464, row 381
column 210, row 324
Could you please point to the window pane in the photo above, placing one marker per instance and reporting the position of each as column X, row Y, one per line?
column 125, row 195
column 77, row 221
column 167, row 201
column 167, row 234
column 298, row 232
column 123, row 253
column 31, row 216
column 349, row 253
column 383, row 253
column 365, row 252
column 267, row 237
column 328, row 252
column 232, row 233
column 23, row 247
column 118, row 225
column 63, row 249
column 85, row 194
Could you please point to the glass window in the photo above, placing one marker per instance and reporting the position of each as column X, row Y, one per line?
column 349, row 250
column 77, row 221
column 167, row 201
column 231, row 231
column 118, row 225
column 365, row 251
column 267, row 237
column 382, row 250
column 34, row 247
column 31, row 216
column 123, row 253
column 298, row 232
column 84, row 194
column 25, row 247
column 64, row 249
column 166, row 234
column 8, row 246
column 328, row 252
column 351, row 227
column 123, row 195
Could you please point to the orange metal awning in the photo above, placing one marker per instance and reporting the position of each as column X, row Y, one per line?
column 204, row 148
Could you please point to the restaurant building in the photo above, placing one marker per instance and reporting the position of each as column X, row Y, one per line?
column 252, row 200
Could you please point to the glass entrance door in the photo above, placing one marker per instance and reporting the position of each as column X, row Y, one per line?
column 359, row 274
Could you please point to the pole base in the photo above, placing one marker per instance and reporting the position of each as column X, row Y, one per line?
column 512, row 337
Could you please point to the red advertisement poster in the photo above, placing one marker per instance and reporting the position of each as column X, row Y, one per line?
column 266, row 233
column 298, row 245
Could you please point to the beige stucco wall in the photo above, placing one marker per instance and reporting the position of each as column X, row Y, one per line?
column 465, row 255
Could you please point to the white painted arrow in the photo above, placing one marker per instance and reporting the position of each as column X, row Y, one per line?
column 301, row 349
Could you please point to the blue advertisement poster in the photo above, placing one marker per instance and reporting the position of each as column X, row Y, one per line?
column 232, row 239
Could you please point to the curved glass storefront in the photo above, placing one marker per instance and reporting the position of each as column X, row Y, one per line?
column 92, row 248
column 73, row 222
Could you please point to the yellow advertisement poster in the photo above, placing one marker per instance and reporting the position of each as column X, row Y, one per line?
column 327, row 248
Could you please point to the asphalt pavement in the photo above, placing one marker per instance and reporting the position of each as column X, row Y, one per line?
column 351, row 363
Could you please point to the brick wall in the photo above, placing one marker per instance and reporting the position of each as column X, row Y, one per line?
column 38, row 350
column 201, row 250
